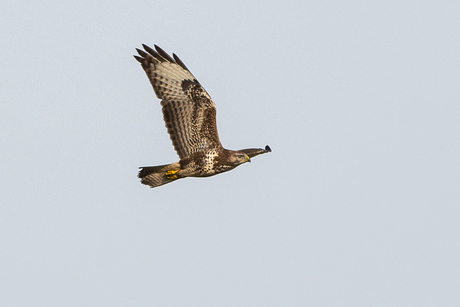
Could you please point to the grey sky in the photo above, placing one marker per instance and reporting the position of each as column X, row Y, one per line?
column 357, row 205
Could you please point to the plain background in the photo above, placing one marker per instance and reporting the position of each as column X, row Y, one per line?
column 357, row 205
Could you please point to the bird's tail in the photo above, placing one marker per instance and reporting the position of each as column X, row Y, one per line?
column 154, row 176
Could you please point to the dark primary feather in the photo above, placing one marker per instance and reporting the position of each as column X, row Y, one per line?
column 153, row 53
column 164, row 54
column 178, row 61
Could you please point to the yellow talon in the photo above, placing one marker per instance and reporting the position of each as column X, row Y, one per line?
column 171, row 174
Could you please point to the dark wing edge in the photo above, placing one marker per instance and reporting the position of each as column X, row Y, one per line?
column 158, row 54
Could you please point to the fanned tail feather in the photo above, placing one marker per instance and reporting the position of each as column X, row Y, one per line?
column 155, row 176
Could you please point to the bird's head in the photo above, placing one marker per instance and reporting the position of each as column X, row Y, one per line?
column 238, row 157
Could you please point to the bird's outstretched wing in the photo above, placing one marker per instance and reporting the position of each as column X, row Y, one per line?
column 188, row 111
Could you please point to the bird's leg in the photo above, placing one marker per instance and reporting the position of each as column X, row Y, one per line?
column 171, row 174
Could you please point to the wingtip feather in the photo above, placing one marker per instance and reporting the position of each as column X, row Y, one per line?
column 164, row 54
column 149, row 50
column 179, row 62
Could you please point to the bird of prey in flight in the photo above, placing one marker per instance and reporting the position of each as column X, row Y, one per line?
column 190, row 118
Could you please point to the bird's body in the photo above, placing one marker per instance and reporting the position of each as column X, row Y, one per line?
column 190, row 118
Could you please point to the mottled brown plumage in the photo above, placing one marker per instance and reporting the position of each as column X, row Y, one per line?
column 190, row 118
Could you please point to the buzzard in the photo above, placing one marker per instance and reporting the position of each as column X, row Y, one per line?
column 190, row 118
